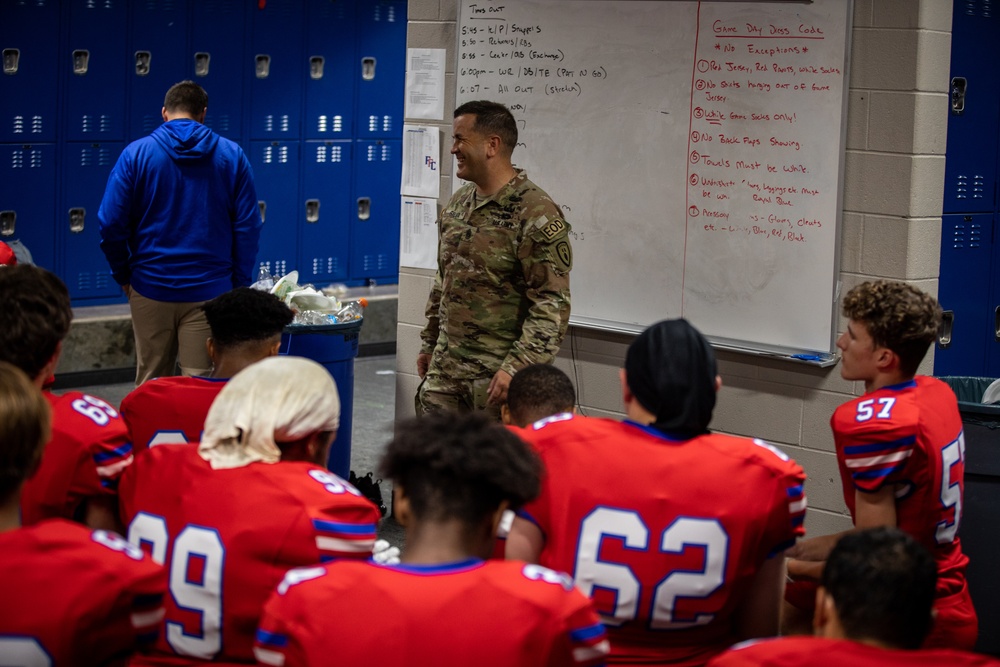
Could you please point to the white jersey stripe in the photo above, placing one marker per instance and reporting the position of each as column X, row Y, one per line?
column 147, row 618
column 352, row 546
column 588, row 653
column 797, row 506
column 879, row 460
column 266, row 657
column 114, row 468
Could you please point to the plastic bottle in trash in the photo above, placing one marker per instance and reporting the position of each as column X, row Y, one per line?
column 264, row 279
column 352, row 310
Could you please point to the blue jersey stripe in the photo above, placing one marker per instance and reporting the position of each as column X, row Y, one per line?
column 851, row 450
column 344, row 528
column 877, row 472
column 118, row 453
column 794, row 491
column 272, row 638
column 587, row 633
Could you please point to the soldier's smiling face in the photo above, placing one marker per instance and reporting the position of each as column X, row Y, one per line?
column 469, row 148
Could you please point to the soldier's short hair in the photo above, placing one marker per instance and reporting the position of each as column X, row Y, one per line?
column 491, row 118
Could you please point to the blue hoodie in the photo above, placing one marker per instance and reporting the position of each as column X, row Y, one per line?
column 179, row 219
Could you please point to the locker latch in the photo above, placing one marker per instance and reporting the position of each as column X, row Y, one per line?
column 262, row 207
column 81, row 61
column 11, row 59
column 8, row 223
column 76, row 219
column 364, row 208
column 316, row 67
column 958, row 86
column 947, row 324
column 142, row 59
column 367, row 69
column 312, row 210
column 201, row 60
column 263, row 66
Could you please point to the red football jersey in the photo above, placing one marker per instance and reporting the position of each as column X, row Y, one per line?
column 88, row 451
column 910, row 435
column 228, row 537
column 73, row 596
column 665, row 535
column 473, row 612
column 818, row 652
column 169, row 410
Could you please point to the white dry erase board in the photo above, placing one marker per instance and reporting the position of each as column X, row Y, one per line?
column 696, row 148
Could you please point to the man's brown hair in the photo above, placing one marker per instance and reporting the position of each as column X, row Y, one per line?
column 186, row 96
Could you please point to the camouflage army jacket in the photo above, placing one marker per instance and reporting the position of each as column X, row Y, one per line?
column 501, row 294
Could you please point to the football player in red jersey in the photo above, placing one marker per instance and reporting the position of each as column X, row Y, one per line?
column 89, row 447
column 900, row 446
column 246, row 327
column 677, row 533
column 69, row 595
column 873, row 609
column 453, row 476
column 229, row 516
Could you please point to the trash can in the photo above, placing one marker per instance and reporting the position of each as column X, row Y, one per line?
column 981, row 503
column 335, row 346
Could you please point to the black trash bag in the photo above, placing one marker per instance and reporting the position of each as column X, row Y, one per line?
column 370, row 488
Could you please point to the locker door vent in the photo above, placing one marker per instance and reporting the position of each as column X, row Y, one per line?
column 982, row 8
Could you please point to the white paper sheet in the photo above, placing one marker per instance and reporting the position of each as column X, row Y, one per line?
column 425, row 84
column 418, row 238
column 421, row 161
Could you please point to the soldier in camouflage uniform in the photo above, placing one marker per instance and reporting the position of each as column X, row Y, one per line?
column 500, row 299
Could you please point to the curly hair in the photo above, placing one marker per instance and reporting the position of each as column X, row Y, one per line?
column 245, row 315
column 492, row 118
column 37, row 314
column 460, row 466
column 537, row 391
column 25, row 427
column 898, row 316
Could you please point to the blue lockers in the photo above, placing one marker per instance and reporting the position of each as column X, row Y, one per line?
column 313, row 90
column 969, row 287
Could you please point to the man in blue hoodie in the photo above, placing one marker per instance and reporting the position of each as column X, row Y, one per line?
column 179, row 226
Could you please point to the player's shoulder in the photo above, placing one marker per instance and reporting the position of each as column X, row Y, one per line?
column 561, row 430
column 750, row 452
column 531, row 584
column 895, row 408
column 93, row 553
column 311, row 486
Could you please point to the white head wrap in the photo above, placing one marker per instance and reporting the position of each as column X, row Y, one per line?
column 277, row 399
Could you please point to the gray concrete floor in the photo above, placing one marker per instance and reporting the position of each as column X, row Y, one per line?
column 374, row 412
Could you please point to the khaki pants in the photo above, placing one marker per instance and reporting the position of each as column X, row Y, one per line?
column 168, row 334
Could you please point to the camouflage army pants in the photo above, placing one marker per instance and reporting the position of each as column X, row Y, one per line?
column 439, row 393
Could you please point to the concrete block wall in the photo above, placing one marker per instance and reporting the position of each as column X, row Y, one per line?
column 894, row 178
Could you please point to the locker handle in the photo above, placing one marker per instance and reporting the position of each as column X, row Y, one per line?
column 77, row 217
column 312, row 211
column 8, row 223
column 996, row 324
column 263, row 66
column 201, row 61
column 81, row 61
column 262, row 207
column 142, row 62
column 316, row 67
column 368, row 68
column 958, row 87
column 11, row 60
column 944, row 333
column 364, row 208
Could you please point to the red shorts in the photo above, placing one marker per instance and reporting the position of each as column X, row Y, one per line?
column 955, row 623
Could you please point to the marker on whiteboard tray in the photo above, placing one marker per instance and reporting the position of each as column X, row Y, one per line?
column 807, row 357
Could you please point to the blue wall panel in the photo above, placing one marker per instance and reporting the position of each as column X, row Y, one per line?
column 970, row 180
column 218, row 29
column 276, row 174
column 375, row 240
column 324, row 239
column 382, row 69
column 279, row 68
column 28, row 174
column 159, row 30
column 97, row 61
column 330, row 83
column 29, row 37
column 83, row 266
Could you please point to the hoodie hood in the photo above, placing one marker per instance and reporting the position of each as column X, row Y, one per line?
column 186, row 140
